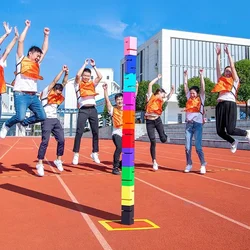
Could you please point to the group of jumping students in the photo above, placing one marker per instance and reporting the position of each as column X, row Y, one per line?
column 44, row 107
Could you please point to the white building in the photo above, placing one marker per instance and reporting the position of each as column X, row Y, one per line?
column 8, row 101
column 170, row 52
column 70, row 95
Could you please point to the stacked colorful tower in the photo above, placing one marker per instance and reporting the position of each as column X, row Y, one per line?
column 128, row 134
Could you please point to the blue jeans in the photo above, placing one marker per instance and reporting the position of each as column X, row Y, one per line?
column 194, row 128
column 22, row 102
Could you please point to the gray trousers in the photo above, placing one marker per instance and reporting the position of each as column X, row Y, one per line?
column 51, row 126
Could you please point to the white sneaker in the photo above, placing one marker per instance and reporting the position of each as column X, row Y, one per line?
column 234, row 146
column 4, row 131
column 40, row 169
column 75, row 159
column 22, row 129
column 202, row 170
column 248, row 136
column 95, row 157
column 188, row 168
column 58, row 164
column 155, row 166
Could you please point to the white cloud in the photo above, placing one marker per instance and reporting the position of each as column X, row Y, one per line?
column 113, row 28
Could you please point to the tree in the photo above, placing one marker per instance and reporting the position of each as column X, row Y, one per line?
column 141, row 95
column 195, row 81
column 243, row 71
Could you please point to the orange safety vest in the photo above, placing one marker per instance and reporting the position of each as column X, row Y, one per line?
column 117, row 118
column 194, row 105
column 154, row 105
column 29, row 69
column 226, row 84
column 2, row 81
column 87, row 89
column 52, row 98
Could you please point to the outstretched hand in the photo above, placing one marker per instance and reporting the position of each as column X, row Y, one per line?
column 28, row 23
column 185, row 73
column 159, row 76
column 105, row 86
column 226, row 49
column 7, row 28
column 92, row 62
column 201, row 71
column 65, row 68
column 218, row 49
column 46, row 31
column 16, row 32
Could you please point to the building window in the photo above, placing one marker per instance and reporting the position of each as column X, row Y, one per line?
column 107, row 77
column 10, row 107
column 11, row 98
column 92, row 77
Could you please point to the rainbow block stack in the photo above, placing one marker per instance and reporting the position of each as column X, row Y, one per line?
column 128, row 133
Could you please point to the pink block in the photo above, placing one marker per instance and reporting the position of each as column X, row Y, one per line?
column 130, row 52
column 129, row 106
column 130, row 46
column 128, row 98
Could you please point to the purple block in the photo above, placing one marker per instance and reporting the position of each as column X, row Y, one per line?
column 128, row 156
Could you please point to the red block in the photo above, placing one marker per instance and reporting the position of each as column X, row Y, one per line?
column 128, row 138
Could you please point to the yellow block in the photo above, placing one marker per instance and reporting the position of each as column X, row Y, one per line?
column 151, row 225
column 128, row 195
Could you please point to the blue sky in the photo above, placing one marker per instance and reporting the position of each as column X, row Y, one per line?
column 83, row 29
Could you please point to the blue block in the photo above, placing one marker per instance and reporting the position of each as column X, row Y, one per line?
column 130, row 64
column 129, row 83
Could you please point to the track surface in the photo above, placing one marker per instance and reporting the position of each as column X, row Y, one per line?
column 63, row 210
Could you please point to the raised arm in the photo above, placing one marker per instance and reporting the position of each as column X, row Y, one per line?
column 202, row 89
column 218, row 52
column 10, row 46
column 22, row 38
column 99, row 75
column 106, row 96
column 231, row 62
column 57, row 78
column 45, row 43
column 150, row 85
column 170, row 93
column 186, row 82
column 79, row 73
column 7, row 32
column 136, row 88
column 66, row 76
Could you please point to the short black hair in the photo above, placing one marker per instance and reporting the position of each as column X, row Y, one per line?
column 58, row 86
column 159, row 90
column 86, row 70
column 34, row 49
column 195, row 88
column 118, row 95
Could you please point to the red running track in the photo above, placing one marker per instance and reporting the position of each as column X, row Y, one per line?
column 63, row 210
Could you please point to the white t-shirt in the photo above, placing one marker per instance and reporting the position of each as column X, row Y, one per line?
column 50, row 109
column 116, row 131
column 83, row 101
column 23, row 83
column 228, row 96
column 196, row 117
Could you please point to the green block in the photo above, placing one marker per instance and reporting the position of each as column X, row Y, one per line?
column 128, row 176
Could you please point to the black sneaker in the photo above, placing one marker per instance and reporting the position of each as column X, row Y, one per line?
column 120, row 165
column 116, row 171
